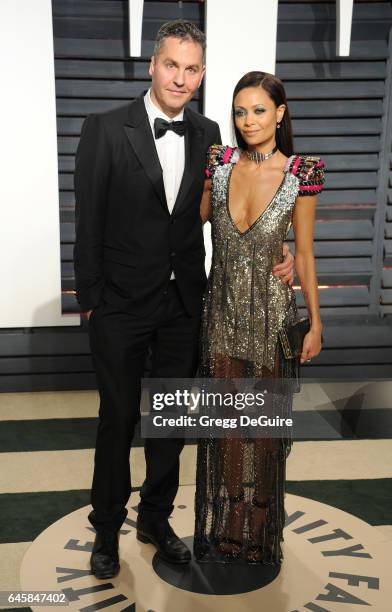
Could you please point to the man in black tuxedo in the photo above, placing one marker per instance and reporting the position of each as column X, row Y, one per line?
column 140, row 276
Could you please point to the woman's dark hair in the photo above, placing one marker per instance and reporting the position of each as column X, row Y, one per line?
column 274, row 88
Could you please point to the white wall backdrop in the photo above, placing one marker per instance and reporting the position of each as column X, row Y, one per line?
column 29, row 200
column 241, row 36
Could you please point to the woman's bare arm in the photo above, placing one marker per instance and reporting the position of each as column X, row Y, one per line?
column 303, row 225
column 205, row 204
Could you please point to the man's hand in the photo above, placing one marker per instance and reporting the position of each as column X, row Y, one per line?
column 285, row 270
column 88, row 314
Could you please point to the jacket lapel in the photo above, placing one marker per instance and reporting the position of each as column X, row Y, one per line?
column 138, row 131
column 193, row 151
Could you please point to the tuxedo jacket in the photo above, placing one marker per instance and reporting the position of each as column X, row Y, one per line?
column 127, row 242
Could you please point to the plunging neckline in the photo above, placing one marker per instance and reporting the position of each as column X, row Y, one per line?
column 262, row 212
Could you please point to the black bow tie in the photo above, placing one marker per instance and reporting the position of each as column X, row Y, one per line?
column 161, row 126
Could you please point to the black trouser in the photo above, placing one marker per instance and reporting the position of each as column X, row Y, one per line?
column 119, row 342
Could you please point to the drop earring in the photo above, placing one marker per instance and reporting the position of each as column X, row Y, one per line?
column 278, row 126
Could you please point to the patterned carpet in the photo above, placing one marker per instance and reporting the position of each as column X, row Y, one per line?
column 47, row 440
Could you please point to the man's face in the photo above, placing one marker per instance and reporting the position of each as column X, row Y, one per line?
column 176, row 74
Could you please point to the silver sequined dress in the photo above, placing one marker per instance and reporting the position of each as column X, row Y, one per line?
column 240, row 483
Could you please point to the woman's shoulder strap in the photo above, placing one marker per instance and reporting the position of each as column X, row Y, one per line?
column 310, row 171
column 219, row 155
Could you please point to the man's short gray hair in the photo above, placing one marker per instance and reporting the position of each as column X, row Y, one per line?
column 180, row 28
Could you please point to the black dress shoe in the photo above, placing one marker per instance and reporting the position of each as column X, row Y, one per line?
column 168, row 544
column 104, row 559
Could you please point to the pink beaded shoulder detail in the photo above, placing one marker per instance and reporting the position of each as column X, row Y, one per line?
column 310, row 171
column 219, row 155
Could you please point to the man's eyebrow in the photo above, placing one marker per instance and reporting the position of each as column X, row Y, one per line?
column 172, row 61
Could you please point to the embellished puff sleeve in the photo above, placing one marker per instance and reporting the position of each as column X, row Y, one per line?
column 219, row 155
column 310, row 172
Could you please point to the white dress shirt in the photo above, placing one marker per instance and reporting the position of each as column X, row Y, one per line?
column 171, row 151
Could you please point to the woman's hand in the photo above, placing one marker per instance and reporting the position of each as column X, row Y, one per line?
column 312, row 345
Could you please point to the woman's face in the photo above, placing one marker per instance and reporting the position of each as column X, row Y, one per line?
column 256, row 116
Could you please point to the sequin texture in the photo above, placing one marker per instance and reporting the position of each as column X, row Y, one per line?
column 240, row 483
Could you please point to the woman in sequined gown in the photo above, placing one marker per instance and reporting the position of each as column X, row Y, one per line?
column 253, row 194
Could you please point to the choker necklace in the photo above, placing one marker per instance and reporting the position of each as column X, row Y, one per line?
column 260, row 157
